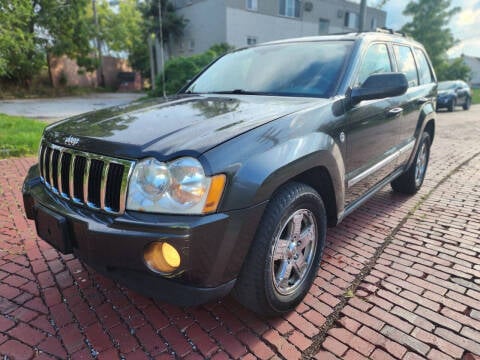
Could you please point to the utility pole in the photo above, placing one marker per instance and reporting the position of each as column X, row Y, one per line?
column 363, row 15
column 151, row 44
column 100, row 77
column 160, row 24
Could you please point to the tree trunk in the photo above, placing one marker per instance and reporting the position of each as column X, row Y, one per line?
column 49, row 65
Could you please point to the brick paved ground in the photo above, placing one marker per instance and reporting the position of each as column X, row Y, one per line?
column 400, row 279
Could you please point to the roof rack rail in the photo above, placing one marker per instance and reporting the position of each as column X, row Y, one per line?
column 386, row 30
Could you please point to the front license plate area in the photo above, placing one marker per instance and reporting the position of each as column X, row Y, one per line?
column 52, row 228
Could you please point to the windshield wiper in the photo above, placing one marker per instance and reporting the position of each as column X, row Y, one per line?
column 236, row 91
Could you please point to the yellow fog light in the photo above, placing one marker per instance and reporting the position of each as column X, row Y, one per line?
column 161, row 257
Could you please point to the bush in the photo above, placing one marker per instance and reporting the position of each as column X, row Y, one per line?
column 453, row 70
column 178, row 71
column 476, row 96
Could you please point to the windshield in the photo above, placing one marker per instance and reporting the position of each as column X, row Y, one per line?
column 447, row 85
column 293, row 69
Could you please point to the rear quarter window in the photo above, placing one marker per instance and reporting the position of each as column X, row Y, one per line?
column 424, row 71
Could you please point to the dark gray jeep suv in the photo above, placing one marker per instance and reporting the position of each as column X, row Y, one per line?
column 231, row 184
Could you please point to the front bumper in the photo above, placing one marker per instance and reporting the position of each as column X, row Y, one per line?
column 212, row 247
column 444, row 101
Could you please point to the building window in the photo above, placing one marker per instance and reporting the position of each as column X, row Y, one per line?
column 191, row 45
column 251, row 40
column 251, row 5
column 323, row 26
column 290, row 8
column 373, row 24
column 351, row 20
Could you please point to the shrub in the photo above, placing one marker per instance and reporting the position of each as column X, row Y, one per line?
column 178, row 71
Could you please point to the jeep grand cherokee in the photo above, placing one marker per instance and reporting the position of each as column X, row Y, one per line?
column 231, row 183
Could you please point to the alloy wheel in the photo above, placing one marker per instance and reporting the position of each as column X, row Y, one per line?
column 293, row 251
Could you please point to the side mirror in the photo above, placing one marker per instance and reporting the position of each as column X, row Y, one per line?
column 379, row 86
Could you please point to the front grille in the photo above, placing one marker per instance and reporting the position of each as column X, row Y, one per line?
column 96, row 181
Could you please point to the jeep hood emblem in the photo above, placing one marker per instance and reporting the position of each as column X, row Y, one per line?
column 71, row 140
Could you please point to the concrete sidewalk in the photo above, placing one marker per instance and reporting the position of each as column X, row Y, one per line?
column 400, row 279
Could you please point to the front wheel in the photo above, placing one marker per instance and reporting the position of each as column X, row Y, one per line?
column 285, row 254
column 412, row 179
column 467, row 104
column 451, row 106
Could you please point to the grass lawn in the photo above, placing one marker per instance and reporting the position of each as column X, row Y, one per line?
column 476, row 96
column 19, row 136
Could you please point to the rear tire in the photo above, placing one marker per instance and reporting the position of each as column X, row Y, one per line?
column 285, row 254
column 467, row 104
column 412, row 179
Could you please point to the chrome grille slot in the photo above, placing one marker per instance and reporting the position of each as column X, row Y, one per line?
column 54, row 166
column 114, row 183
column 65, row 173
column 46, row 166
column 96, row 181
column 40, row 160
column 78, row 171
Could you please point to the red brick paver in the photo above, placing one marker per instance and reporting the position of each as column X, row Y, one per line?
column 400, row 279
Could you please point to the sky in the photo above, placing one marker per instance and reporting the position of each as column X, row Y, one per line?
column 465, row 25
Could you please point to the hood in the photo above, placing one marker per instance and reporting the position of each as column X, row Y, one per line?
column 166, row 128
column 445, row 92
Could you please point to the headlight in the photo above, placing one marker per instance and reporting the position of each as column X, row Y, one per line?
column 178, row 187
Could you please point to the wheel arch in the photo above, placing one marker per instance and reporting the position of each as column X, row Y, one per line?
column 319, row 179
column 320, row 170
column 430, row 128
column 426, row 122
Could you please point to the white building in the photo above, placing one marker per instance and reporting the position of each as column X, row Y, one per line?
column 474, row 64
column 247, row 22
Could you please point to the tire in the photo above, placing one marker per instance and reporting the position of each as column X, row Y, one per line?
column 451, row 106
column 285, row 254
column 412, row 179
column 467, row 104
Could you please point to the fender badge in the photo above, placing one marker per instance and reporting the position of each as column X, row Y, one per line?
column 71, row 140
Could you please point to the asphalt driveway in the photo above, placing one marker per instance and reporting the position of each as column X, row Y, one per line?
column 52, row 109
column 400, row 279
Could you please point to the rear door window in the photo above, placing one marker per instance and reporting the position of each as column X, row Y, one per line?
column 424, row 70
column 406, row 63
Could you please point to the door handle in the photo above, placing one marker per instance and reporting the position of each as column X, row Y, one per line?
column 395, row 112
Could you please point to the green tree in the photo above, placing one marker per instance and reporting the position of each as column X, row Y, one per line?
column 19, row 57
column 453, row 70
column 172, row 23
column 181, row 69
column 173, row 26
column 121, row 29
column 62, row 28
column 33, row 30
column 429, row 26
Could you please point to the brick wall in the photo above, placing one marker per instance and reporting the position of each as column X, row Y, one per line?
column 111, row 67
